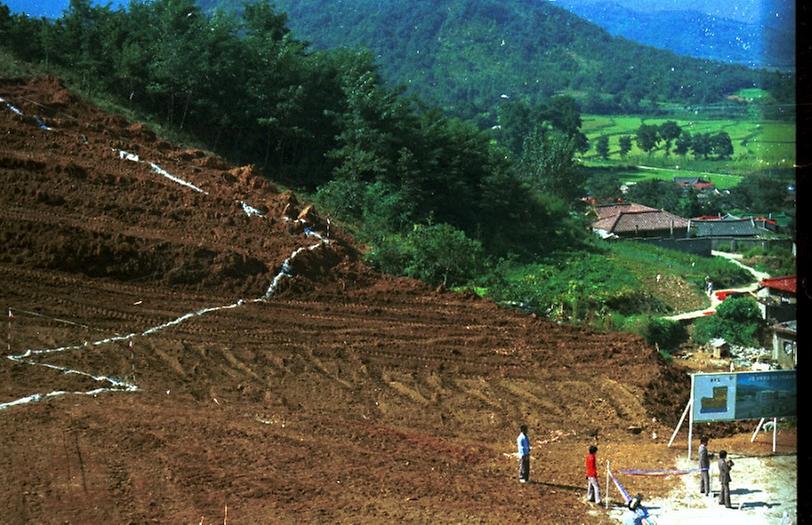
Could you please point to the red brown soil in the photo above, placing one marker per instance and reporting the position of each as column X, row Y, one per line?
column 348, row 397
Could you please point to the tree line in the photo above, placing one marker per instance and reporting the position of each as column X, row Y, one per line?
column 650, row 137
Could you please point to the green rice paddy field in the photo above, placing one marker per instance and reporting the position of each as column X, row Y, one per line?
column 766, row 143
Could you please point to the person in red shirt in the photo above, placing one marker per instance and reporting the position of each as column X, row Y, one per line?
column 592, row 476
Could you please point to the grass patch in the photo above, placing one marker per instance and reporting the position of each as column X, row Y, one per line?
column 776, row 261
column 752, row 93
column 634, row 175
column 620, row 279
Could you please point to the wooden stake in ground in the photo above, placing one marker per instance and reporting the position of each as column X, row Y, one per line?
column 8, row 339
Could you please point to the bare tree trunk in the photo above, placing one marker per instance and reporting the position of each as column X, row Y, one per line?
column 217, row 137
column 267, row 149
column 185, row 109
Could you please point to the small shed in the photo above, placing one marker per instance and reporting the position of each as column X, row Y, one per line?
column 719, row 348
column 785, row 344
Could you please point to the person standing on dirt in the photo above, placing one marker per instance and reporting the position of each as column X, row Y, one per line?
column 704, row 466
column 523, row 444
column 724, row 478
column 593, row 491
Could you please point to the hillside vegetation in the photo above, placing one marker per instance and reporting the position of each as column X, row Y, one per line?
column 466, row 54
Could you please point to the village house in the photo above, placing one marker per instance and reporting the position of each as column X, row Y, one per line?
column 697, row 183
column 774, row 222
column 630, row 220
column 728, row 227
column 777, row 298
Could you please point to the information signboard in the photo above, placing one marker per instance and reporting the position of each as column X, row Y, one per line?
column 744, row 395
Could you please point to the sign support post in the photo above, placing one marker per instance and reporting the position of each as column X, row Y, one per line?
column 755, row 433
column 679, row 425
column 775, row 432
column 691, row 418
column 607, row 484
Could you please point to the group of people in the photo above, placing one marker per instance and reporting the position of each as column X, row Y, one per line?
column 593, row 492
column 724, row 464
column 591, row 464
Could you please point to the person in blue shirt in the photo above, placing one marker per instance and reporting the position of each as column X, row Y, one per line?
column 523, row 444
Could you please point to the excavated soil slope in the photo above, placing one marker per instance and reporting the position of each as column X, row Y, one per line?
column 343, row 396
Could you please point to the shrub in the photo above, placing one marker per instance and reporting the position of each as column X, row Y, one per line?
column 738, row 321
column 443, row 254
column 667, row 357
column 389, row 255
column 437, row 254
column 344, row 197
column 725, row 274
column 665, row 333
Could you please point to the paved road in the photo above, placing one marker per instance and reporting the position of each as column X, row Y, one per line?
column 715, row 301
column 691, row 171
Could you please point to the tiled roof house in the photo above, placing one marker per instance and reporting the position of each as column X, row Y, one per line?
column 694, row 182
column 727, row 227
column 635, row 220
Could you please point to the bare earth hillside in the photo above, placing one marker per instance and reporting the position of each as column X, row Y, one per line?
column 300, row 387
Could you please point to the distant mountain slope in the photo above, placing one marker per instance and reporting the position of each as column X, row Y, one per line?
column 469, row 53
column 693, row 33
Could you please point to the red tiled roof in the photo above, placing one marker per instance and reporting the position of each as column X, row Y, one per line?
column 785, row 284
column 640, row 221
column 704, row 185
column 610, row 210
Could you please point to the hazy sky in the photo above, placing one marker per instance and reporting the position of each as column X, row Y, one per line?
column 744, row 10
column 752, row 11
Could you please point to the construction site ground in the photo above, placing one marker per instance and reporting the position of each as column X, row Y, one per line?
column 337, row 395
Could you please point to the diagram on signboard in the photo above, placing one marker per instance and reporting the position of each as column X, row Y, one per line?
column 714, row 397
column 717, row 403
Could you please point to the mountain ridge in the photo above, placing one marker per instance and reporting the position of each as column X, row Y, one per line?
column 694, row 33
column 461, row 53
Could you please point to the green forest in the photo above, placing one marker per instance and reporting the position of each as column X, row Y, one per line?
column 468, row 55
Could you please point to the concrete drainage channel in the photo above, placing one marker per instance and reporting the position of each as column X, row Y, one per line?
column 117, row 385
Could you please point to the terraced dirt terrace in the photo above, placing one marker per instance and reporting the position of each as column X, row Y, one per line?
column 202, row 344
